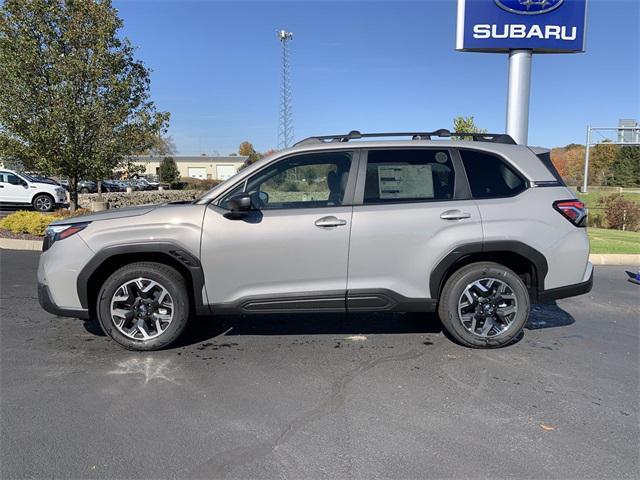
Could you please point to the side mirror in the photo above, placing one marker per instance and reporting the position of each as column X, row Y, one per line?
column 23, row 183
column 239, row 203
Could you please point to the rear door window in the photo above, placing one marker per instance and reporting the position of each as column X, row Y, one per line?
column 489, row 176
column 414, row 175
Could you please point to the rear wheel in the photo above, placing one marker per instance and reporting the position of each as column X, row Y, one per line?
column 43, row 202
column 484, row 305
column 144, row 306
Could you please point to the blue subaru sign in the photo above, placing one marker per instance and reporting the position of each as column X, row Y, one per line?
column 545, row 26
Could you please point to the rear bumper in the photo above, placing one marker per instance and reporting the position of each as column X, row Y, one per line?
column 566, row 291
column 47, row 303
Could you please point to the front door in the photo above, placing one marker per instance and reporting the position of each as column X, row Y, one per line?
column 289, row 252
column 13, row 189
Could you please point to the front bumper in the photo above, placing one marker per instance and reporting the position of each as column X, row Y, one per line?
column 566, row 291
column 47, row 303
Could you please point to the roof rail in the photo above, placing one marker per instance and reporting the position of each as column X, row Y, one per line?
column 443, row 132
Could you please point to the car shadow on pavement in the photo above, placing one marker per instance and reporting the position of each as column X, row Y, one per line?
column 311, row 324
column 548, row 315
column 371, row 323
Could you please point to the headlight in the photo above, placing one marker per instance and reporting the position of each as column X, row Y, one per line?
column 60, row 191
column 53, row 233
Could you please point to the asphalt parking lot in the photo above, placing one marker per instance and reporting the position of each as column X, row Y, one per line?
column 322, row 396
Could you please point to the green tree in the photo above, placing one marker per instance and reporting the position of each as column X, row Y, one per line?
column 466, row 125
column 74, row 101
column 246, row 150
column 169, row 172
column 625, row 168
column 601, row 158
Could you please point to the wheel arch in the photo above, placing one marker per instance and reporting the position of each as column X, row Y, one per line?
column 109, row 259
column 526, row 261
column 48, row 194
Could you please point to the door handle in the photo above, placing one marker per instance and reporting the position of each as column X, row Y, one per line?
column 330, row 222
column 454, row 215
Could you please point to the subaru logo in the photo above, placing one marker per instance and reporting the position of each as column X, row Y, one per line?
column 529, row 7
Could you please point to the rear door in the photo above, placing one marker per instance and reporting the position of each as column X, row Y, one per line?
column 412, row 207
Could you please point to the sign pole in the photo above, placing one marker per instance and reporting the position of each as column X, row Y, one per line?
column 585, row 179
column 518, row 95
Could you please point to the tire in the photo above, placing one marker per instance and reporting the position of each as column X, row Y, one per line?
column 466, row 320
column 84, row 190
column 141, row 320
column 43, row 202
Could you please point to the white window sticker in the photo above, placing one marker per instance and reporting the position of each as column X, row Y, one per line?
column 405, row 181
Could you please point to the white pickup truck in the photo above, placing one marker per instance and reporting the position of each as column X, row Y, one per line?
column 21, row 189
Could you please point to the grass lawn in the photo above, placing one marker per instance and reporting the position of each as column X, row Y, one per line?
column 591, row 199
column 613, row 241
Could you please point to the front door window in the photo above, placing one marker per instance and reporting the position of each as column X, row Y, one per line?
column 302, row 181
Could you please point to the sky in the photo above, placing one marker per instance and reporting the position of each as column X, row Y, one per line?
column 368, row 66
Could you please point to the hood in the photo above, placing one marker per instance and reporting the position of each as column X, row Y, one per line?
column 109, row 214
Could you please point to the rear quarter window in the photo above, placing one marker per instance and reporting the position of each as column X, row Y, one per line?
column 489, row 176
column 545, row 158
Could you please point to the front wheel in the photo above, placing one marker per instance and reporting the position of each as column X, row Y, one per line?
column 43, row 202
column 484, row 305
column 144, row 306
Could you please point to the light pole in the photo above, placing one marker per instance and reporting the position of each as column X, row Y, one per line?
column 586, row 160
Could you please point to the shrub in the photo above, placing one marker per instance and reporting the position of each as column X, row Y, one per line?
column 64, row 212
column 596, row 220
column 199, row 184
column 33, row 223
column 621, row 213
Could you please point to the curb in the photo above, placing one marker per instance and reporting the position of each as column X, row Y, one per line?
column 614, row 259
column 595, row 258
column 17, row 244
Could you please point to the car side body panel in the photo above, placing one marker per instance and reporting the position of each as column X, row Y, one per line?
column 274, row 253
column 134, row 231
column 530, row 218
column 395, row 246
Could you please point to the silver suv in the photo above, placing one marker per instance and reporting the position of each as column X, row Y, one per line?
column 475, row 229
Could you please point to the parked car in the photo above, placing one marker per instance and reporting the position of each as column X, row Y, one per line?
column 87, row 186
column 143, row 184
column 476, row 231
column 112, row 186
column 22, row 189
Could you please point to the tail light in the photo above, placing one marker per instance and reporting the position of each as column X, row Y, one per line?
column 53, row 233
column 573, row 210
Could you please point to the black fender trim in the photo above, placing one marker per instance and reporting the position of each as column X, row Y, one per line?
column 177, row 253
column 385, row 300
column 546, row 296
column 358, row 300
column 436, row 281
column 47, row 304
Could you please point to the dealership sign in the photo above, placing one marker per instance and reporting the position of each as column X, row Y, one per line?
column 546, row 26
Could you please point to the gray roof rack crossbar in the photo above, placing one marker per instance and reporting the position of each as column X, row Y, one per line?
column 443, row 132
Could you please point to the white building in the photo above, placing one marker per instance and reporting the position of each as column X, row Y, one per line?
column 202, row 166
